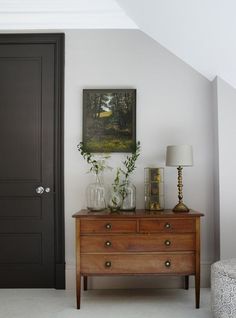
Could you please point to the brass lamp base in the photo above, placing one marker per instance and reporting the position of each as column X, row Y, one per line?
column 181, row 208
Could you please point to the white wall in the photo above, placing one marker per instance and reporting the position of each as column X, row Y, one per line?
column 174, row 105
column 226, row 102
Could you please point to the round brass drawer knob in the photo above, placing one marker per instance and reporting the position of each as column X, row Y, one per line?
column 108, row 226
column 108, row 264
column 108, row 244
column 167, row 226
column 167, row 243
column 167, row 263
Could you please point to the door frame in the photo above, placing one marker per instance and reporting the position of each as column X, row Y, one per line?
column 58, row 40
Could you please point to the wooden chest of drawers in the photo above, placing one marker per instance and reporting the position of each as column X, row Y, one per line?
column 137, row 243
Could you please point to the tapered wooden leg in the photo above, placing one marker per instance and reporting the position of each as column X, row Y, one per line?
column 197, row 290
column 186, row 282
column 197, row 272
column 78, row 274
column 85, row 282
column 78, row 289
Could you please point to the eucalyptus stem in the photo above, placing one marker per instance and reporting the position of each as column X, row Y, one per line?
column 129, row 167
column 130, row 161
column 97, row 166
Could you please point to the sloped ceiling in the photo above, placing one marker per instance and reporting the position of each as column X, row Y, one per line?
column 63, row 14
column 200, row 32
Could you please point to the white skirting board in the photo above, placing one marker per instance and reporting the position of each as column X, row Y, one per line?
column 126, row 282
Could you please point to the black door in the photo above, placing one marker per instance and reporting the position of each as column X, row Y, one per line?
column 31, row 204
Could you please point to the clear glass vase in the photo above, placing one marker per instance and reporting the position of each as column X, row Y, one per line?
column 128, row 193
column 115, row 200
column 96, row 195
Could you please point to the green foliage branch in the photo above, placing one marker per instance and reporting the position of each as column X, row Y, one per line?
column 122, row 174
column 129, row 164
column 130, row 161
column 97, row 165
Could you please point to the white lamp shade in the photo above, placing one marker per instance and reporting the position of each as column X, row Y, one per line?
column 179, row 155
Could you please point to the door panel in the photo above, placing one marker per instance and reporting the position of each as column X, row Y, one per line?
column 20, row 207
column 24, row 248
column 27, row 160
column 20, row 87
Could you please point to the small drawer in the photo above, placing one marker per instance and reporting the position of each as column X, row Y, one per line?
column 167, row 225
column 106, row 264
column 108, row 226
column 137, row 243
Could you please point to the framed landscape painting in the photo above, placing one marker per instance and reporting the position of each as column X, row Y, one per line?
column 109, row 120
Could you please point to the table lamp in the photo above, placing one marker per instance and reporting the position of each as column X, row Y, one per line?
column 179, row 156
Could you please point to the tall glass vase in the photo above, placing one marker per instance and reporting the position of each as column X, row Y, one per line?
column 115, row 200
column 96, row 195
column 128, row 193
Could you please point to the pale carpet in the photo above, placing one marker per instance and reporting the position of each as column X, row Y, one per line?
column 144, row 303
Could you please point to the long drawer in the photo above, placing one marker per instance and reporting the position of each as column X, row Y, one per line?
column 134, row 243
column 108, row 226
column 167, row 225
column 106, row 264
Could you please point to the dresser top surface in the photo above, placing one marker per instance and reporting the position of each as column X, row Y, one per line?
column 136, row 214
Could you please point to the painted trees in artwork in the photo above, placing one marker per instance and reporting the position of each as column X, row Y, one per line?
column 109, row 120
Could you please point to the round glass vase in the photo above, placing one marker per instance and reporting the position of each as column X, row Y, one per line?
column 128, row 194
column 96, row 195
column 115, row 200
